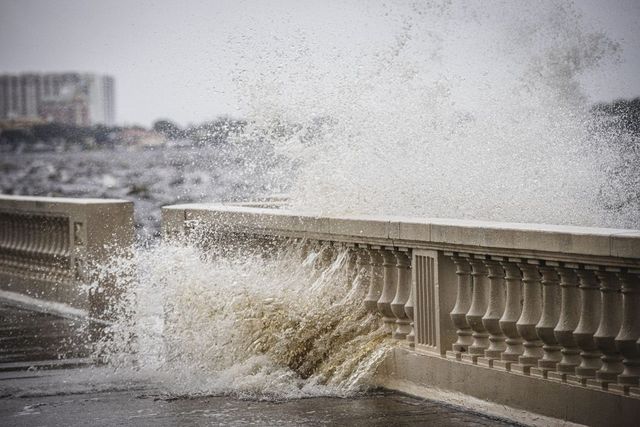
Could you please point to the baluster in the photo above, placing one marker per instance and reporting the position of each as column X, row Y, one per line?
column 306, row 248
column 512, row 311
column 526, row 325
column 610, row 321
column 4, row 231
column 376, row 279
column 479, row 302
column 56, row 244
column 491, row 318
column 569, row 318
column 587, row 326
column 463, row 303
column 403, row 289
column 22, row 233
column 30, row 238
column 408, row 309
column 629, row 330
column 390, row 279
column 363, row 273
column 550, row 314
column 351, row 270
column 14, row 241
column 29, row 234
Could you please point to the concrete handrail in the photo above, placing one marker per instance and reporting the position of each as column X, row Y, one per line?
column 612, row 246
column 48, row 246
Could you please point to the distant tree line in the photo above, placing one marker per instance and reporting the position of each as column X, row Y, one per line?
column 213, row 132
column 59, row 132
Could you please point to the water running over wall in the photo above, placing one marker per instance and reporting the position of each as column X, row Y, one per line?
column 242, row 324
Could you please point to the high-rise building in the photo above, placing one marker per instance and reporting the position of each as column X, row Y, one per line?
column 71, row 98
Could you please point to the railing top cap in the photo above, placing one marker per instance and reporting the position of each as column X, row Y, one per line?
column 557, row 241
column 463, row 223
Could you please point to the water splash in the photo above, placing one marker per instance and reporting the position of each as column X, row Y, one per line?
column 445, row 110
column 242, row 324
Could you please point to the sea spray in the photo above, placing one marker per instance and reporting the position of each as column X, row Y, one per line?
column 440, row 109
column 276, row 327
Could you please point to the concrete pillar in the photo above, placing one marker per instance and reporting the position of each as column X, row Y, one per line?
column 363, row 268
column 629, row 330
column 463, row 302
column 512, row 311
column 526, row 325
column 550, row 314
column 409, row 311
column 590, row 306
column 495, row 309
column 403, row 289
column 569, row 318
column 390, row 283
column 610, row 321
column 376, row 279
column 479, row 303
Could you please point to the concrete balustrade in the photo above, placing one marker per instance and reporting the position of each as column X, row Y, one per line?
column 542, row 318
column 50, row 246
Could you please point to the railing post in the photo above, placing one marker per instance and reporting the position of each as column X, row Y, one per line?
column 587, row 326
column 531, row 312
column 390, row 279
column 512, row 311
column 463, row 303
column 569, row 318
column 434, row 294
column 629, row 330
column 610, row 321
column 403, row 289
column 479, row 302
column 495, row 309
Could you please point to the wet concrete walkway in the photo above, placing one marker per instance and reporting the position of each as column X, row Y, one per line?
column 37, row 394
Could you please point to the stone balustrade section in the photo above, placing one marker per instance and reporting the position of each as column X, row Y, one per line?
column 48, row 246
column 561, row 304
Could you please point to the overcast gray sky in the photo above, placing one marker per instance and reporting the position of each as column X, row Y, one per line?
column 171, row 58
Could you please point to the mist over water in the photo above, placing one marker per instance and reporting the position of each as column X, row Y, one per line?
column 466, row 110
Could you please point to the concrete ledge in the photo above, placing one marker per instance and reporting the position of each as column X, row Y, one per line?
column 420, row 374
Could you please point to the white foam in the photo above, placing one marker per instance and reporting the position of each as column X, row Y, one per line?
column 243, row 325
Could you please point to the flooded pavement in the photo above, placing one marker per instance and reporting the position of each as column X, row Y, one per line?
column 35, row 392
column 109, row 408
column 28, row 336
